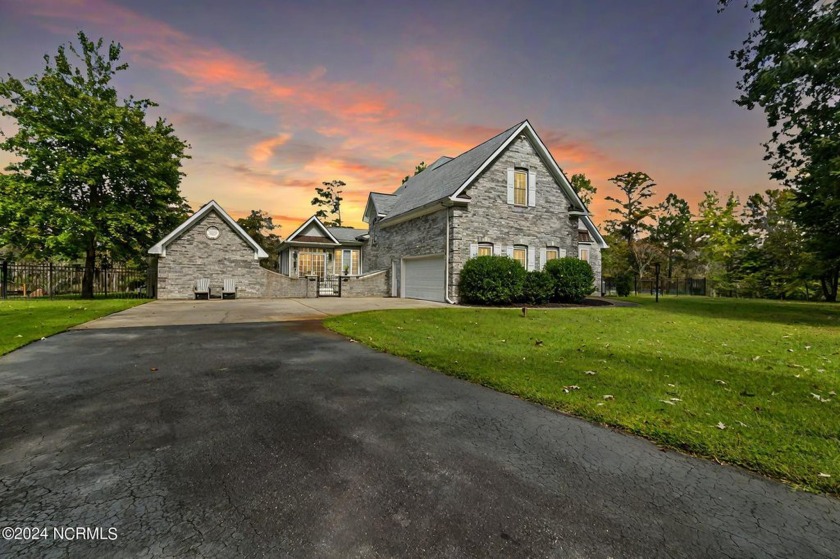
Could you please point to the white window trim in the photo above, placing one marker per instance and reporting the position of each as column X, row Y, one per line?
column 520, row 247
column 588, row 253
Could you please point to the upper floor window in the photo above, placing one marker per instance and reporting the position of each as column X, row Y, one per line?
column 485, row 249
column 520, row 187
column 520, row 254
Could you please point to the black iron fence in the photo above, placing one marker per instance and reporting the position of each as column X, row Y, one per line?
column 48, row 279
column 673, row 286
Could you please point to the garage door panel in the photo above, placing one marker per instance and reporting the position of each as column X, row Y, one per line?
column 425, row 278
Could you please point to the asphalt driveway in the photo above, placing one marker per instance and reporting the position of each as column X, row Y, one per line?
column 282, row 440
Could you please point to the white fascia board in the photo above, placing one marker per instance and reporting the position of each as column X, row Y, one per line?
column 590, row 226
column 212, row 205
column 306, row 223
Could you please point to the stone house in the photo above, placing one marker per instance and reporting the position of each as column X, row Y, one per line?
column 209, row 244
column 506, row 196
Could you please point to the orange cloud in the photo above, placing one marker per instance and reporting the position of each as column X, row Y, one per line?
column 262, row 151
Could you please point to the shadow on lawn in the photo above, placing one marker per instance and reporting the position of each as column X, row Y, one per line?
column 750, row 310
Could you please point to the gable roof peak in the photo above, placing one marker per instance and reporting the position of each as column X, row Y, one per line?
column 211, row 206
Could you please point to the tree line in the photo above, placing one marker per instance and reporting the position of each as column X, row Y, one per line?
column 750, row 249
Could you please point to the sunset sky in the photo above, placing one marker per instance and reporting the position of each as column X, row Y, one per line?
column 275, row 97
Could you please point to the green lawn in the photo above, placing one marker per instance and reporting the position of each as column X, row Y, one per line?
column 748, row 382
column 24, row 321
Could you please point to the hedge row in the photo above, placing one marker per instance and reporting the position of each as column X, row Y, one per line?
column 499, row 280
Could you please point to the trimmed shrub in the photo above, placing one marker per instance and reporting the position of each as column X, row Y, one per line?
column 573, row 279
column 624, row 284
column 491, row 280
column 538, row 288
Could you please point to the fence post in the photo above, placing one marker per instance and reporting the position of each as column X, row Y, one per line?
column 50, row 280
column 4, row 280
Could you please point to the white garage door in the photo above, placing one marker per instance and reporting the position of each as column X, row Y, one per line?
column 424, row 278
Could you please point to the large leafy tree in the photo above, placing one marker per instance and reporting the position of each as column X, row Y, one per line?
column 91, row 176
column 584, row 188
column 777, row 265
column 723, row 240
column 633, row 214
column 633, row 211
column 791, row 70
column 328, row 201
column 259, row 225
column 671, row 228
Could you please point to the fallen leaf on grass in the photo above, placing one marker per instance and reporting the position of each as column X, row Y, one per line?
column 609, row 397
column 590, row 373
column 571, row 387
column 820, row 398
column 721, row 425
column 721, row 382
column 823, row 475
column 668, row 402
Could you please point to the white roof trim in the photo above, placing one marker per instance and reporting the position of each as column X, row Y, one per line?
column 546, row 156
column 306, row 223
column 590, row 226
column 367, row 207
column 212, row 205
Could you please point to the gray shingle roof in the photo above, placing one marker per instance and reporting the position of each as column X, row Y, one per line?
column 346, row 234
column 445, row 176
column 382, row 203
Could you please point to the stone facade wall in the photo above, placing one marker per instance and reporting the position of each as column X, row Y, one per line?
column 490, row 219
column 376, row 284
column 422, row 236
column 278, row 286
column 595, row 262
column 193, row 256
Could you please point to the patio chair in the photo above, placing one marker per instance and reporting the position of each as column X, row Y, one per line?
column 229, row 289
column 202, row 289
